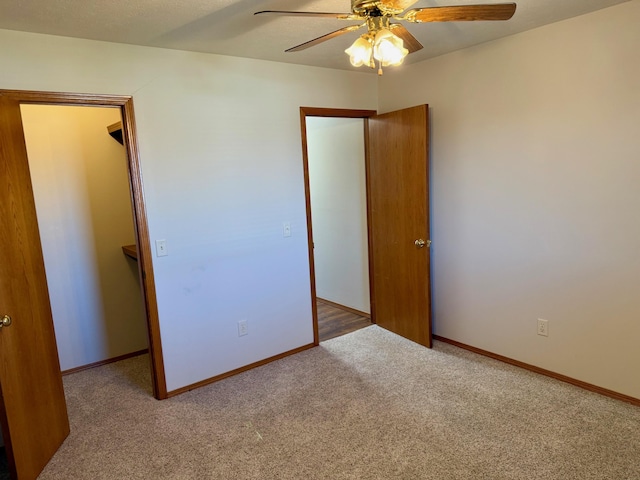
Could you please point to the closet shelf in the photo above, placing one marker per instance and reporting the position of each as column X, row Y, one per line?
column 130, row 251
column 115, row 131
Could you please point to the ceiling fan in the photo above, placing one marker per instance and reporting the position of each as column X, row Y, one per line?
column 385, row 41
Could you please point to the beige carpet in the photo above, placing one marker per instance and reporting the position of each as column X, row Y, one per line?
column 369, row 405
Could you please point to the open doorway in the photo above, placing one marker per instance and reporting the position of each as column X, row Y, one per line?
column 334, row 155
column 120, row 108
column 83, row 204
column 397, row 191
column 337, row 188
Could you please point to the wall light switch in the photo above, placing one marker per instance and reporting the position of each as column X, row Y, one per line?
column 161, row 248
column 243, row 328
column 286, row 229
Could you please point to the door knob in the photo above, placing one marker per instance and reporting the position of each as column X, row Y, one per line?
column 420, row 243
column 5, row 321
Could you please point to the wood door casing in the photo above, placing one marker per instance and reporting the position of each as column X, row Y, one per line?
column 398, row 209
column 145, row 265
column 35, row 412
column 399, row 278
column 318, row 112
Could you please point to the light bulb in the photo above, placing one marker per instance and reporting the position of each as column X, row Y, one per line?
column 360, row 52
column 388, row 49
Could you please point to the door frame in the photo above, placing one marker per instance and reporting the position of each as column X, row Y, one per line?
column 333, row 113
column 145, row 265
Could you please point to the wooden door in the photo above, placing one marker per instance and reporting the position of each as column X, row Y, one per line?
column 398, row 209
column 33, row 411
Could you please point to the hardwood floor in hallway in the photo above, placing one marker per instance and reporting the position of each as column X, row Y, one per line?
column 334, row 321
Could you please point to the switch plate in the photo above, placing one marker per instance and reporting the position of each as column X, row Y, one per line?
column 543, row 327
column 243, row 328
column 161, row 248
column 286, row 229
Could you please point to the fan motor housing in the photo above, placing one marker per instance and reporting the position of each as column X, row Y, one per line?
column 374, row 8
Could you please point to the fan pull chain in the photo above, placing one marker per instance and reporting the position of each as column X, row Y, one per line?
column 379, row 68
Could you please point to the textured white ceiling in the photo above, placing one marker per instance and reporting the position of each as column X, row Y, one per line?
column 229, row 27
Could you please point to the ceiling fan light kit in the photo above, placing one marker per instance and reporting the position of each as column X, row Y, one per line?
column 380, row 44
column 385, row 41
column 384, row 47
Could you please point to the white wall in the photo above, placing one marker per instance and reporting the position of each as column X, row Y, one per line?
column 339, row 210
column 221, row 162
column 535, row 193
column 81, row 188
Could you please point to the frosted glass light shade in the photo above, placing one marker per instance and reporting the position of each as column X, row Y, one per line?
column 360, row 52
column 388, row 49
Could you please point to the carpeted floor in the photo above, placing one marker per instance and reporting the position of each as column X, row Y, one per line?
column 368, row 405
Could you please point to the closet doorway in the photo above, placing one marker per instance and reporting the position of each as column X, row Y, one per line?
column 31, row 385
column 83, row 205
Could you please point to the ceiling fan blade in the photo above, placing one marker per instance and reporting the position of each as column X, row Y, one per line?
column 461, row 13
column 324, row 38
column 339, row 16
column 395, row 5
column 411, row 43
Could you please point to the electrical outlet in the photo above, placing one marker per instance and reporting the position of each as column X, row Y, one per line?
column 543, row 327
column 243, row 328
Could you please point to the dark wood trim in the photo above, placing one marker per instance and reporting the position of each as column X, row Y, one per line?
column 307, row 201
column 344, row 307
column 143, row 241
column 145, row 268
column 335, row 112
column 319, row 112
column 428, row 253
column 367, row 179
column 104, row 362
column 222, row 376
column 65, row 98
column 548, row 373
